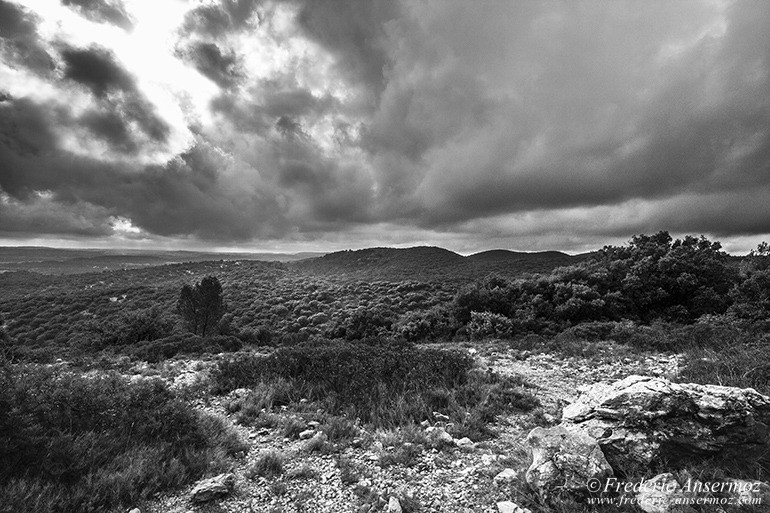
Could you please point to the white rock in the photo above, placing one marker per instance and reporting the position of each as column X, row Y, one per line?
column 213, row 488
column 564, row 460
column 505, row 477
column 464, row 442
column 394, row 506
column 308, row 433
column 510, row 507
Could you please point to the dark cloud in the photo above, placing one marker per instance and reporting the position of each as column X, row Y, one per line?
column 19, row 42
column 288, row 127
column 277, row 103
column 187, row 196
column 221, row 18
column 43, row 215
column 102, row 11
column 356, row 32
column 122, row 111
column 222, row 67
column 96, row 69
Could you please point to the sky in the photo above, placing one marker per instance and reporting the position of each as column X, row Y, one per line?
column 318, row 125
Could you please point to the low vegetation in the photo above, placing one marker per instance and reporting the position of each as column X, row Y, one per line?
column 70, row 442
column 386, row 385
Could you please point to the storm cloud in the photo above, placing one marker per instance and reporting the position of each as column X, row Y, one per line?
column 105, row 11
column 338, row 123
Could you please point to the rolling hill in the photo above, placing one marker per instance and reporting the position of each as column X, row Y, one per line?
column 427, row 263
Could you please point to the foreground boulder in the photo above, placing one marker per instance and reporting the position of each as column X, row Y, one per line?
column 563, row 461
column 214, row 488
column 641, row 419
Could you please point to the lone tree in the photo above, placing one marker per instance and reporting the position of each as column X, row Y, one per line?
column 201, row 306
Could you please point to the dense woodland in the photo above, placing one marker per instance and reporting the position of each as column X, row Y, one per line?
column 651, row 280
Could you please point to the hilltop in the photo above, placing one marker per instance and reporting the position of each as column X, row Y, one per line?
column 429, row 263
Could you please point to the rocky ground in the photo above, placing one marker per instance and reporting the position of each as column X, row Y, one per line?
column 459, row 477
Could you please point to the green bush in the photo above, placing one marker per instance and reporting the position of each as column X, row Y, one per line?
column 745, row 365
column 164, row 348
column 74, row 443
column 268, row 464
column 387, row 385
column 489, row 325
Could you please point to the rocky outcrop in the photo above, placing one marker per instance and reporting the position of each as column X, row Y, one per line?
column 214, row 488
column 641, row 419
column 563, row 461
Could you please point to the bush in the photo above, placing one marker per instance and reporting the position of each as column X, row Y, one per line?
column 489, row 325
column 745, row 365
column 433, row 324
column 164, row 348
column 387, row 385
column 268, row 464
column 74, row 443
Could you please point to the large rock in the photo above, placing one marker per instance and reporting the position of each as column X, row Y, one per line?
column 564, row 460
column 641, row 419
column 213, row 488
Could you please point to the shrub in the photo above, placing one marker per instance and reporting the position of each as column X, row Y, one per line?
column 348, row 374
column 745, row 365
column 489, row 325
column 164, row 348
column 74, row 443
column 387, row 385
column 269, row 463
column 350, row 474
column 433, row 324
column 303, row 472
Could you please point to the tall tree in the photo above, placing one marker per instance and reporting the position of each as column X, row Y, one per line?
column 202, row 305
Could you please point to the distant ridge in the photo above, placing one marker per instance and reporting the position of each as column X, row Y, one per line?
column 498, row 255
column 48, row 260
column 426, row 263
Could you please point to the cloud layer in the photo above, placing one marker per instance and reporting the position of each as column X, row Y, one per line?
column 333, row 123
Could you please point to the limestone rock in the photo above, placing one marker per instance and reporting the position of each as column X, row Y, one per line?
column 510, row 507
column 213, row 488
column 306, row 434
column 438, row 436
column 508, row 475
column 563, row 460
column 641, row 419
column 394, row 506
